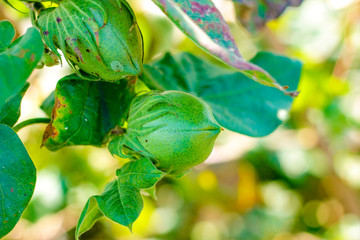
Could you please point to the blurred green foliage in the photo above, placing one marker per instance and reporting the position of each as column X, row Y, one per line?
column 300, row 183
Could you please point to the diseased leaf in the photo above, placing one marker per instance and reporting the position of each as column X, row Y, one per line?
column 7, row 33
column 17, row 62
column 238, row 104
column 10, row 111
column 86, row 111
column 202, row 22
column 254, row 14
column 121, row 200
column 17, row 179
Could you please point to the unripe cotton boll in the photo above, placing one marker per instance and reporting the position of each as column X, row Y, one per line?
column 176, row 130
column 100, row 38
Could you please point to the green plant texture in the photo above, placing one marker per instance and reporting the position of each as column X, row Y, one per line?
column 158, row 118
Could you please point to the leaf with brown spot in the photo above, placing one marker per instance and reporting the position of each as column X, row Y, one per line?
column 17, row 61
column 84, row 112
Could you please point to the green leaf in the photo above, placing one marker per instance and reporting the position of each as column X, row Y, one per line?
column 141, row 173
column 17, row 62
column 48, row 104
column 7, row 33
column 121, row 203
column 17, row 179
column 238, row 104
column 254, row 14
column 202, row 22
column 89, row 216
column 121, row 200
column 10, row 111
column 86, row 111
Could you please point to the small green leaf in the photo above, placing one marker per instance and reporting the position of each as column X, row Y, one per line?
column 121, row 200
column 17, row 62
column 238, row 103
column 48, row 104
column 17, row 179
column 141, row 173
column 10, row 111
column 85, row 111
column 121, row 203
column 89, row 216
column 7, row 33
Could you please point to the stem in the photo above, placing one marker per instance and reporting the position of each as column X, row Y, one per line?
column 30, row 122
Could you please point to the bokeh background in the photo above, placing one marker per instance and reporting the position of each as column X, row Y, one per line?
column 301, row 182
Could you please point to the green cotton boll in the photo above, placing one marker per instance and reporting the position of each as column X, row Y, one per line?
column 176, row 130
column 100, row 38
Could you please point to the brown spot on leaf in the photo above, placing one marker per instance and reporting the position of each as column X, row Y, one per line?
column 50, row 132
column 32, row 57
column 97, row 37
column 104, row 24
column 58, row 20
column 79, row 55
column 57, row 106
column 117, row 131
column 12, row 190
column 46, row 33
column 23, row 52
column 132, row 80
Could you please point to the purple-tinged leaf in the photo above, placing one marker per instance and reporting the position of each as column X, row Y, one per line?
column 254, row 14
column 201, row 21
